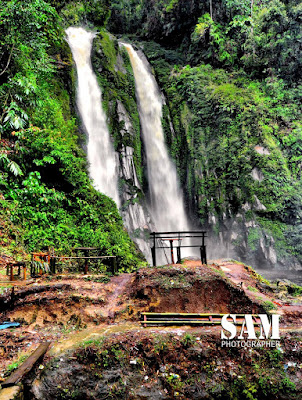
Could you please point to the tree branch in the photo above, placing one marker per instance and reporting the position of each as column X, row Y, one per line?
column 8, row 62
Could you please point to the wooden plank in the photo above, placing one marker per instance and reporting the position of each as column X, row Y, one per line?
column 184, row 322
column 94, row 257
column 188, row 322
column 191, row 314
column 28, row 364
column 152, row 318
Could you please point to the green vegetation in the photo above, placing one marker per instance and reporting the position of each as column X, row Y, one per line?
column 252, row 289
column 16, row 364
column 117, row 82
column 267, row 305
column 294, row 290
column 46, row 192
column 102, row 279
column 4, row 289
column 220, row 121
column 231, row 74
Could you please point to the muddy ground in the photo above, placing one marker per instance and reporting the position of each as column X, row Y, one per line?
column 70, row 310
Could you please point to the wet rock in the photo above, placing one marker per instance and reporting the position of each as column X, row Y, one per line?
column 257, row 174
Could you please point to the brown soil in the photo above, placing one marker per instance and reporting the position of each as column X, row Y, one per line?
column 54, row 310
column 72, row 309
column 258, row 289
column 189, row 288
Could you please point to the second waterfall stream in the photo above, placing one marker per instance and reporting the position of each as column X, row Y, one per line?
column 166, row 198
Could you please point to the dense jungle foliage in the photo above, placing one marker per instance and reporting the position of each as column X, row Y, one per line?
column 46, row 196
column 231, row 74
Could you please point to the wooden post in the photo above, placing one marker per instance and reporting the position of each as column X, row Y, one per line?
column 203, row 254
column 178, row 255
column 86, row 262
column 32, row 265
column 153, row 250
column 52, row 264
column 11, row 272
column 24, row 272
column 114, row 266
column 171, row 247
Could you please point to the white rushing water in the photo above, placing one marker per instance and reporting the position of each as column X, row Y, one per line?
column 166, row 198
column 100, row 152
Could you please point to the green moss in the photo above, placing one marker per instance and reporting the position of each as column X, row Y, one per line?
column 108, row 46
column 253, row 238
column 117, row 81
column 294, row 290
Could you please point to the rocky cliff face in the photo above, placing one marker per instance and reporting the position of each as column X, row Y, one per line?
column 226, row 172
column 134, row 210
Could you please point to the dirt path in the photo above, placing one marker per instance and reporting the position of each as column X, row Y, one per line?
column 118, row 286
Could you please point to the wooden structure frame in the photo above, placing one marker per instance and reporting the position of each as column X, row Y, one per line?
column 51, row 259
column 158, row 237
column 10, row 269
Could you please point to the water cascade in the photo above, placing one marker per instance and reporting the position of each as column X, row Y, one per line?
column 100, row 152
column 166, row 198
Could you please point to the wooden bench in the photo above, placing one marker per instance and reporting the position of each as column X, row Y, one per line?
column 53, row 260
column 46, row 261
column 153, row 318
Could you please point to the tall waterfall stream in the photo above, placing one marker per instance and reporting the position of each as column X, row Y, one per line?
column 100, row 152
column 167, row 206
column 166, row 198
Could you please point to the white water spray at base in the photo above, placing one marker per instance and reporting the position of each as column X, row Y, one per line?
column 100, row 152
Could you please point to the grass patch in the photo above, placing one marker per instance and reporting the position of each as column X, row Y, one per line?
column 269, row 306
column 252, row 289
column 16, row 364
column 4, row 289
column 294, row 290
column 101, row 279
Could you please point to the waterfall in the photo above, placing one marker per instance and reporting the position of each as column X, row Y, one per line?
column 166, row 198
column 100, row 152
